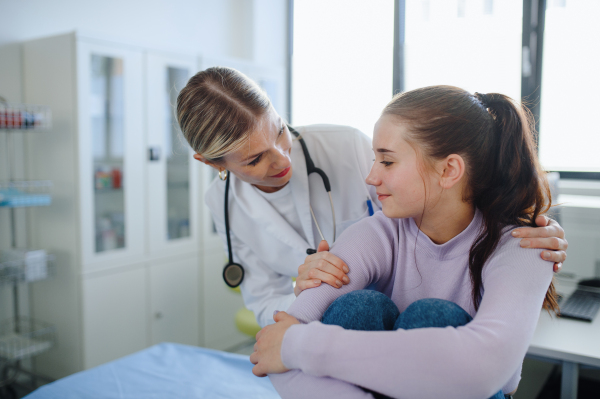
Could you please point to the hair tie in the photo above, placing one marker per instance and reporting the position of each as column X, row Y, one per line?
column 484, row 99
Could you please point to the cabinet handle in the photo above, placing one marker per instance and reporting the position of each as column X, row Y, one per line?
column 153, row 154
column 158, row 315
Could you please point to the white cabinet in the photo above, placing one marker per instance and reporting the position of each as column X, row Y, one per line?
column 175, row 301
column 124, row 224
column 114, row 315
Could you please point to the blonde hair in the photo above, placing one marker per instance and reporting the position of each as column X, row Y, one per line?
column 217, row 109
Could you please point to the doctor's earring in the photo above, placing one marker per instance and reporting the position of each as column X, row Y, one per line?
column 223, row 175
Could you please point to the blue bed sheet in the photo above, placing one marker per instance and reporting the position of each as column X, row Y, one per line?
column 165, row 371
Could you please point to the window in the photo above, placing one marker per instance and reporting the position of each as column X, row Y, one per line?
column 472, row 44
column 569, row 130
column 342, row 61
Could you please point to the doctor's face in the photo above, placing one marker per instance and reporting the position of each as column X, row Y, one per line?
column 397, row 174
column 264, row 161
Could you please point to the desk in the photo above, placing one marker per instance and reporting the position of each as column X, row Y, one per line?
column 569, row 342
column 165, row 371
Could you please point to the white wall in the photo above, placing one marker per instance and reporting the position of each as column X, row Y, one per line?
column 252, row 29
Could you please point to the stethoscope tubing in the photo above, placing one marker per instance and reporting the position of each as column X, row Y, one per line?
column 227, row 218
column 310, row 168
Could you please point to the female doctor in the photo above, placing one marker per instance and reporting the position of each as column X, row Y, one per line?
column 277, row 212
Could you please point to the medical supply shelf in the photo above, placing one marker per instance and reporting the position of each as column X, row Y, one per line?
column 24, row 116
column 38, row 267
column 22, row 337
column 20, row 194
column 25, row 337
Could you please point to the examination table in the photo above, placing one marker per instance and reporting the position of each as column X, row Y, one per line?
column 165, row 371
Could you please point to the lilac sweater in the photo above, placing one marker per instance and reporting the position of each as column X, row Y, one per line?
column 472, row 361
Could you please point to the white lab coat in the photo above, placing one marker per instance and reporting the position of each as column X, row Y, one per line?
column 268, row 248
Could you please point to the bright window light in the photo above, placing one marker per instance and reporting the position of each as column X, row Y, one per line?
column 342, row 61
column 569, row 131
column 472, row 44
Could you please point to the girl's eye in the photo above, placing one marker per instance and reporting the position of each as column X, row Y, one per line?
column 256, row 160
column 386, row 163
column 282, row 130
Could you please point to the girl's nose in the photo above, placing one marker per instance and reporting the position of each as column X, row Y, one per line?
column 373, row 179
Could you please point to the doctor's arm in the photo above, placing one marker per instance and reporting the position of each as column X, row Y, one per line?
column 264, row 290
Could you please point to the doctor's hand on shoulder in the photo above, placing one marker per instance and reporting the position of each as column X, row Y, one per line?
column 321, row 267
column 548, row 235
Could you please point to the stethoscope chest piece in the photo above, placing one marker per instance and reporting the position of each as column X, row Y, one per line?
column 233, row 274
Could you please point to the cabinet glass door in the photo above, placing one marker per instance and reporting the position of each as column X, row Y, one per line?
column 178, row 160
column 111, row 150
column 172, row 189
column 106, row 107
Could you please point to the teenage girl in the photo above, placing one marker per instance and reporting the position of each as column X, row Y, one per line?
column 456, row 173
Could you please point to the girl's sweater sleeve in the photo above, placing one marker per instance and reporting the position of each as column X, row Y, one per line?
column 380, row 235
column 472, row 361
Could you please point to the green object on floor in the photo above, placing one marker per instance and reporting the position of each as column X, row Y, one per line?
column 245, row 321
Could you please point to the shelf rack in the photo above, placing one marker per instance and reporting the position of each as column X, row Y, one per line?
column 20, row 194
column 22, row 337
column 25, row 337
column 24, row 116
column 29, row 269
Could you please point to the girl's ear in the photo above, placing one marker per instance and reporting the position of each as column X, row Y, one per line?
column 205, row 161
column 453, row 170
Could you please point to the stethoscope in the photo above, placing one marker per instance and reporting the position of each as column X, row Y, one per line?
column 233, row 273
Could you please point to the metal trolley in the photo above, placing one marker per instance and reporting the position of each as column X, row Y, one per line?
column 22, row 337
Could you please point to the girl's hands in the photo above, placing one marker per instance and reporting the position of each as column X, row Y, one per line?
column 548, row 235
column 321, row 267
column 267, row 350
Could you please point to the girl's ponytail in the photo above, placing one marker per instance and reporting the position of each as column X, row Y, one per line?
column 513, row 165
column 517, row 190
